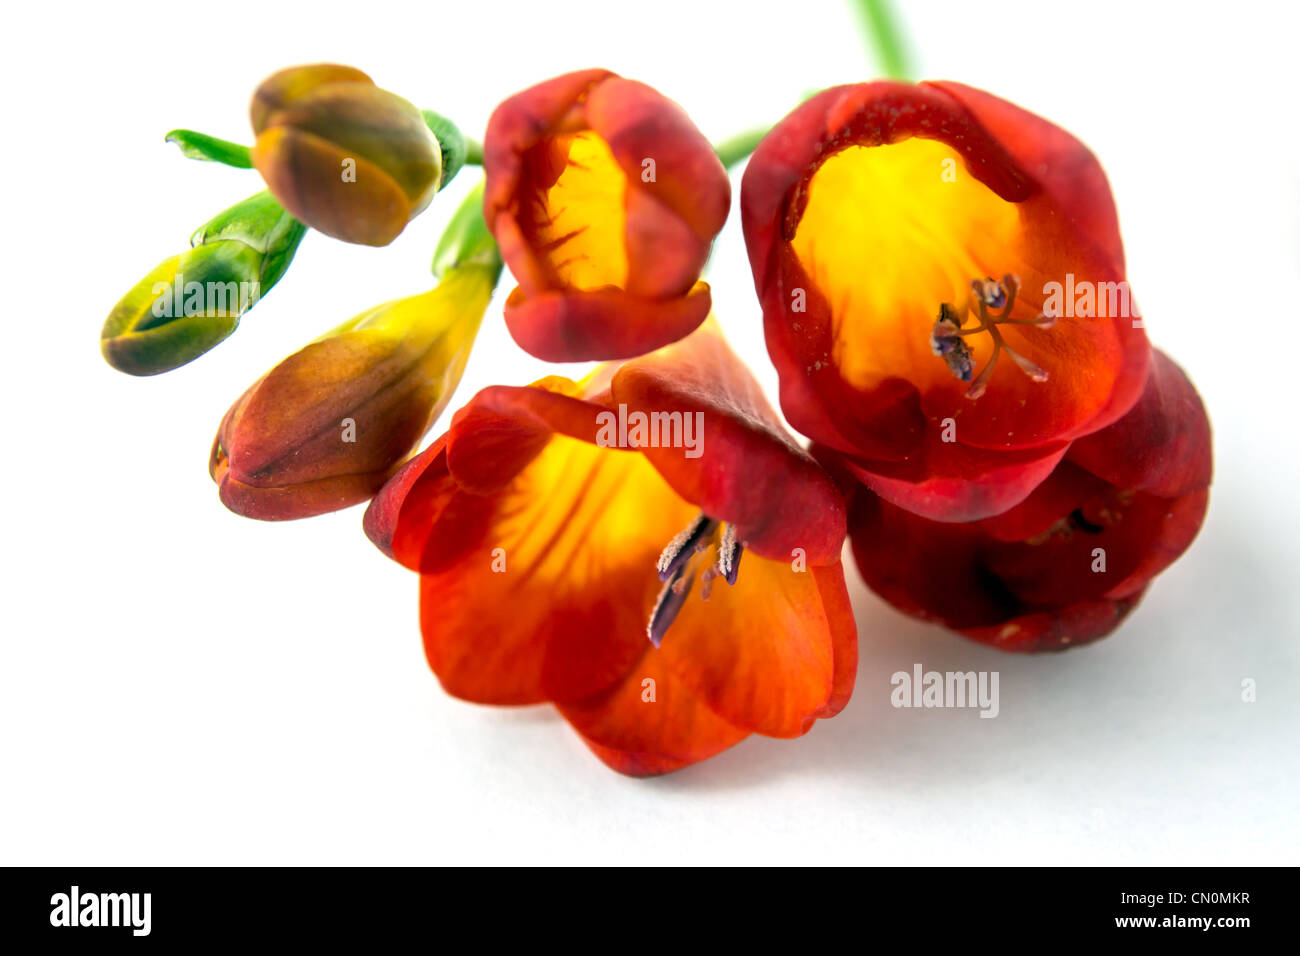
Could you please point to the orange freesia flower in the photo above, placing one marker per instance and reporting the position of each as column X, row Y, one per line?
column 668, row 600
column 1067, row 564
column 605, row 199
column 943, row 291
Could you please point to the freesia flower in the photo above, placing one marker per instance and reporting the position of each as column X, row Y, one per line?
column 605, row 200
column 326, row 427
column 347, row 158
column 1067, row 564
column 668, row 603
column 943, row 291
column 193, row 301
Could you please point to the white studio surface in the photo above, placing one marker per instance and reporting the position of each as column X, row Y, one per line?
column 182, row 686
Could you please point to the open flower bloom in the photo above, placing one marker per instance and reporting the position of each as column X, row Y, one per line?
column 647, row 549
column 943, row 290
column 327, row 426
column 347, row 158
column 605, row 200
column 1068, row 563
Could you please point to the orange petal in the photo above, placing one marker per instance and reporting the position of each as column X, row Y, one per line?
column 644, row 729
column 762, row 652
column 550, row 602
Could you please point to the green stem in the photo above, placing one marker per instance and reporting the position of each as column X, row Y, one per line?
column 738, row 148
column 891, row 49
column 467, row 238
column 210, row 149
column 458, row 150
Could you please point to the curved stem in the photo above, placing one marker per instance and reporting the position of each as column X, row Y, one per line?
column 467, row 238
column 738, row 148
column 891, row 50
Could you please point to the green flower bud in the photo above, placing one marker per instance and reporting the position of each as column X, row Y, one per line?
column 192, row 301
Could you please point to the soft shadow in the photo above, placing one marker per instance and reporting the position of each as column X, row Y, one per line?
column 1100, row 704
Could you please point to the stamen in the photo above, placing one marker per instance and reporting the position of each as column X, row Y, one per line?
column 672, row 598
column 729, row 553
column 989, row 292
column 977, row 387
column 685, row 544
column 947, row 336
column 677, row 565
column 945, row 342
column 1035, row 371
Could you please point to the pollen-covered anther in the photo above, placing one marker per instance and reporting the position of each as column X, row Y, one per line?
column 677, row 565
column 729, row 552
column 946, row 342
column 991, row 293
column 684, row 545
column 947, row 334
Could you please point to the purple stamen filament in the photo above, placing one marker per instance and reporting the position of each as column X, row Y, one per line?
column 677, row 569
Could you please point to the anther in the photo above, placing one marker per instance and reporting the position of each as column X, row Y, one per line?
column 947, row 336
column 672, row 598
column 684, row 545
column 946, row 342
column 989, row 292
column 677, row 565
column 729, row 552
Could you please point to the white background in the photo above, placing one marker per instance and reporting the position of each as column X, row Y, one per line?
column 179, row 685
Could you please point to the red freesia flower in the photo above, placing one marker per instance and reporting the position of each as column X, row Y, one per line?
column 943, row 291
column 1067, row 564
column 605, row 199
column 668, row 600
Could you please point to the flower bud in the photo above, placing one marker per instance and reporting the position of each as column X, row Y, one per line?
column 192, row 301
column 347, row 158
column 326, row 427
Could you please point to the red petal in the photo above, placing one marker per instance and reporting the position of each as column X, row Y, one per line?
column 1162, row 445
column 381, row 518
column 1044, row 591
column 690, row 186
column 749, row 470
column 1137, row 540
column 1057, row 630
column 947, row 481
column 572, row 326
